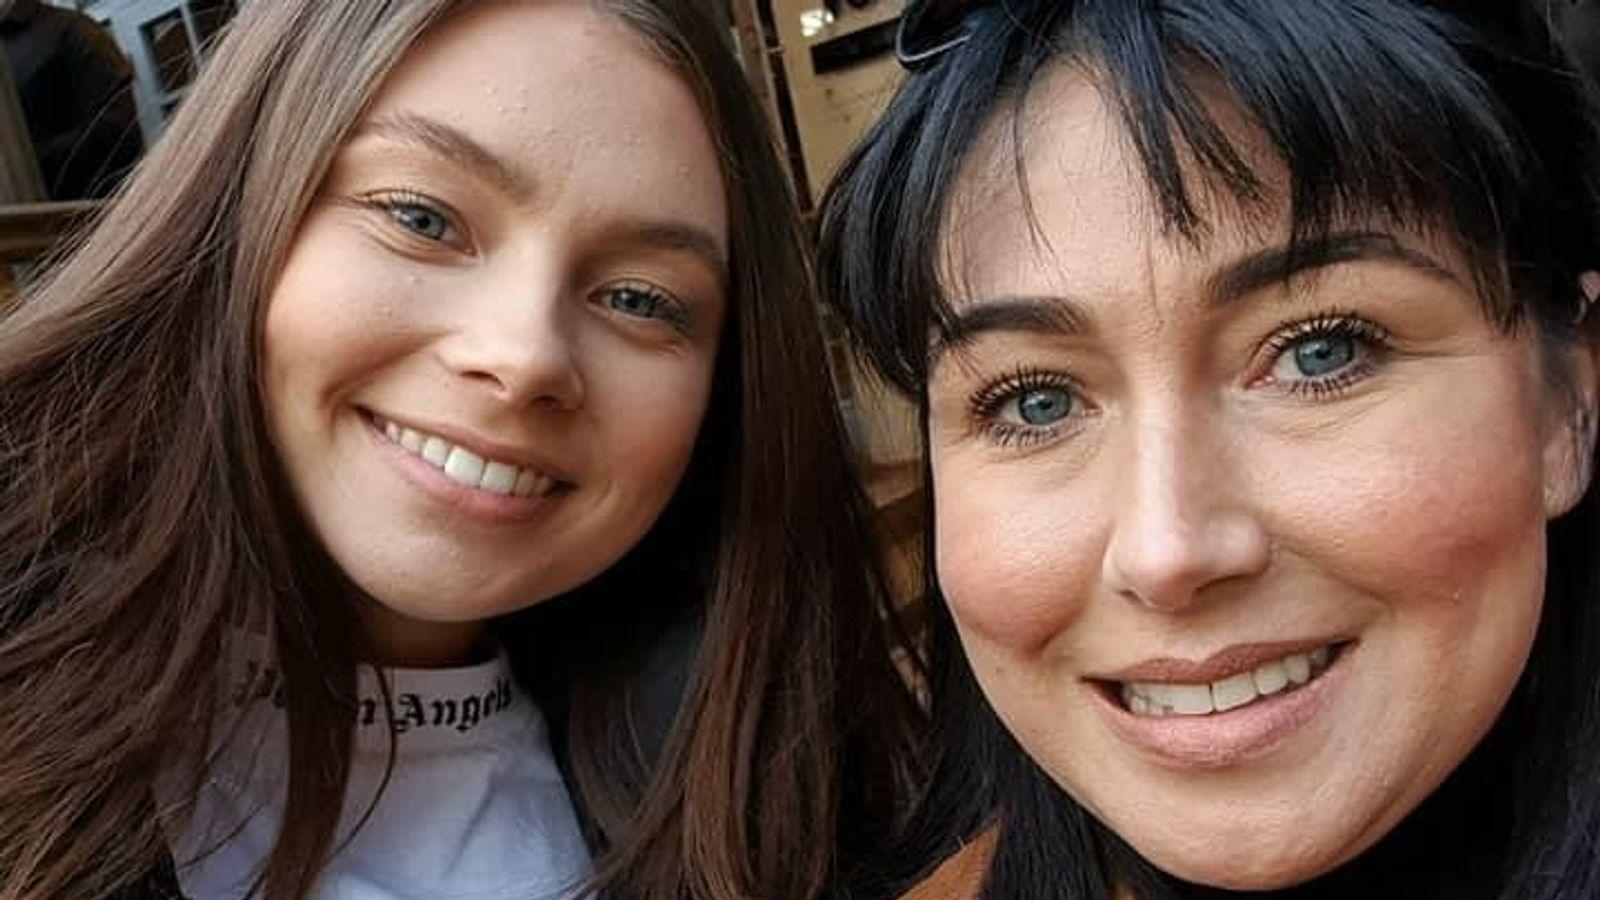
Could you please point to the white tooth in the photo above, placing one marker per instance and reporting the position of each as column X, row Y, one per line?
column 1159, row 695
column 412, row 440
column 1190, row 699
column 1271, row 678
column 1234, row 692
column 1299, row 668
column 1127, row 695
column 392, row 430
column 1320, row 657
column 527, row 480
column 1141, row 706
column 464, row 466
column 435, row 450
column 498, row 478
column 544, row 486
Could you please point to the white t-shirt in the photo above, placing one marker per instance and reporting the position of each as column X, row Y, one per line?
column 474, row 806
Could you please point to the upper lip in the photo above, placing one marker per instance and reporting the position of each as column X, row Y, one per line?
column 486, row 447
column 1224, row 663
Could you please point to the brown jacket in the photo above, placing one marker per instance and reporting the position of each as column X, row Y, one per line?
column 961, row 876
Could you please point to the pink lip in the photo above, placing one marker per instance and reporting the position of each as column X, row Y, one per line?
column 1228, row 738
column 476, row 504
column 1222, row 664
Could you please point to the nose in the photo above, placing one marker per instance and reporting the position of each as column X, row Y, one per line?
column 520, row 346
column 1183, row 521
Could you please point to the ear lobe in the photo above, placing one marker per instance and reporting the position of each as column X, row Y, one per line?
column 1570, row 446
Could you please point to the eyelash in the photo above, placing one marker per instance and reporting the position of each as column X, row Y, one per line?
column 671, row 310
column 1371, row 340
column 391, row 202
column 986, row 402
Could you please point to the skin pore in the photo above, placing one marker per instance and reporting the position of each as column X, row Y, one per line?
column 1165, row 479
column 517, row 258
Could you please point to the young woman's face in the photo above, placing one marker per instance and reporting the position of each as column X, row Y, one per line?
column 1247, row 567
column 491, row 347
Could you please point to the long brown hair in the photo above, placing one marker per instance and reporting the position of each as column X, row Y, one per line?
column 143, row 510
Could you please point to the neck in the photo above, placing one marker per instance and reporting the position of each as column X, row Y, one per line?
column 397, row 641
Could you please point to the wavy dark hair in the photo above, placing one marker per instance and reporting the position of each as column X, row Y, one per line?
column 143, row 510
column 1461, row 118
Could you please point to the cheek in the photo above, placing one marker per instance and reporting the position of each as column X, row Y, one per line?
column 1442, row 508
column 334, row 313
column 648, row 407
column 1017, row 552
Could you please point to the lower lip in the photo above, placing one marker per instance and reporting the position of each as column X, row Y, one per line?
column 471, row 502
column 1229, row 738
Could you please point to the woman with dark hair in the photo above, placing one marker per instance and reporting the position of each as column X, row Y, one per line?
column 449, row 370
column 1256, row 356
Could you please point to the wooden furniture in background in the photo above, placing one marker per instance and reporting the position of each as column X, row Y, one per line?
column 839, row 73
column 28, row 231
column 825, row 70
column 19, row 171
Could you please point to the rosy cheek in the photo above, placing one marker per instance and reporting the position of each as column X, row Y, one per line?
column 1016, row 566
column 342, row 301
column 1440, row 507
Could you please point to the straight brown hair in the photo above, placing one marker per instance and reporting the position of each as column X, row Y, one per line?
column 144, row 513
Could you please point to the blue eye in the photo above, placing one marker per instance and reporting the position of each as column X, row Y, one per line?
column 635, row 302
column 1027, row 407
column 644, row 302
column 1317, row 357
column 1040, row 407
column 1321, row 357
column 421, row 219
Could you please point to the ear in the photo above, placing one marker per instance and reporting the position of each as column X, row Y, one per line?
column 1570, row 442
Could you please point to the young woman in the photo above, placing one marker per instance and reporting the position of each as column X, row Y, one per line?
column 447, row 370
column 1256, row 349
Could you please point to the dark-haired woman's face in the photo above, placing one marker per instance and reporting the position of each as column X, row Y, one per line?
column 491, row 348
column 1247, row 566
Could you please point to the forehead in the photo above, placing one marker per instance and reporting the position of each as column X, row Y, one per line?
column 1054, row 194
column 568, row 95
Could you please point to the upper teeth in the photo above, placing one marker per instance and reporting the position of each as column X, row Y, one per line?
column 1145, row 698
column 468, row 468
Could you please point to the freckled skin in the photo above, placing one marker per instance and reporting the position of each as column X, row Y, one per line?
column 1192, row 504
column 502, row 329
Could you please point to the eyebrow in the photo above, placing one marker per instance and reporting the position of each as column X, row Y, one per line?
column 674, row 236
column 1065, row 317
column 451, row 144
column 1280, row 265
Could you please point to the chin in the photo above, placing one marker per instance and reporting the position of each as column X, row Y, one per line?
column 1244, row 867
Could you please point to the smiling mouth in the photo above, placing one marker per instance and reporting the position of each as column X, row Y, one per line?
column 468, row 468
column 1274, row 678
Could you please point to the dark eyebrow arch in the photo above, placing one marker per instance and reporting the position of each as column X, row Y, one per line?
column 451, row 144
column 1279, row 265
column 1039, row 314
column 1265, row 268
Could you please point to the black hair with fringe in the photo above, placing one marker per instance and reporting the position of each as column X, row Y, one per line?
column 1461, row 118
